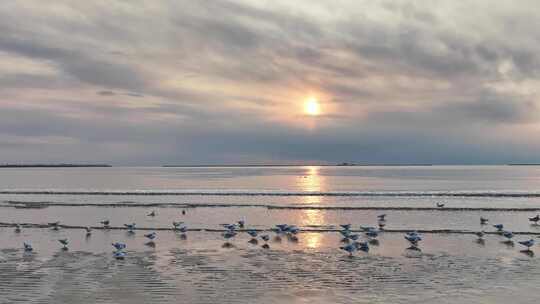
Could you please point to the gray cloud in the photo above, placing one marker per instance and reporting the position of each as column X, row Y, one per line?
column 223, row 81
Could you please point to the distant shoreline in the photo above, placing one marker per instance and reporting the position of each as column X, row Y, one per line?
column 295, row 165
column 54, row 165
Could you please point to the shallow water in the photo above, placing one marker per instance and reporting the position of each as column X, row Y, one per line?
column 452, row 267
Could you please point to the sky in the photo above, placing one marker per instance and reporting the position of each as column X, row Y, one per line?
column 227, row 82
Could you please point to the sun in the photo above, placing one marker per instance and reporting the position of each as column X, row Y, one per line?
column 312, row 107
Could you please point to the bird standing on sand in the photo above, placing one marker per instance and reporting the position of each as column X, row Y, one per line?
column 265, row 238
column 151, row 236
column 27, row 247
column 349, row 236
column 362, row 246
column 480, row 235
column 528, row 243
column 413, row 238
column 350, row 248
column 227, row 235
column 119, row 253
column 507, row 234
column 230, row 227
column 176, row 225
column 55, row 226
column 535, row 219
column 130, row 227
column 253, row 234
column 119, row 246
column 64, row 242
column 346, row 226
column 372, row 233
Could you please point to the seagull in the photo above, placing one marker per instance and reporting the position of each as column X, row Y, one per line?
column 64, row 242
column 372, row 233
column 119, row 246
column 27, row 247
column 265, row 238
column 346, row 226
column 350, row 248
column 282, row 227
column 252, row 233
column 348, row 237
column 241, row 223
column 413, row 239
column 153, row 213
column 483, row 221
column 130, row 227
column 88, row 231
column 508, row 234
column 440, row 205
column 17, row 228
column 345, row 233
column 119, row 255
column 230, row 227
column 499, row 227
column 229, row 234
column 55, row 225
column 480, row 234
column 151, row 237
column 176, row 225
column 293, row 229
column 367, row 228
column 105, row 223
column 381, row 217
column 362, row 246
column 528, row 243
column 535, row 219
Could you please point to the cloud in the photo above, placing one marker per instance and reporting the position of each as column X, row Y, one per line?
column 224, row 81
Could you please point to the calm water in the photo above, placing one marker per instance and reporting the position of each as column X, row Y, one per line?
column 451, row 268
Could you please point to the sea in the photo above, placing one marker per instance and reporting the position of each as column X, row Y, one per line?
column 449, row 265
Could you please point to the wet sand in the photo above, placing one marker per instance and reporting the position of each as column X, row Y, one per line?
column 451, row 268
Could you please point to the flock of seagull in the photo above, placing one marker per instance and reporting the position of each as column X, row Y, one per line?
column 351, row 241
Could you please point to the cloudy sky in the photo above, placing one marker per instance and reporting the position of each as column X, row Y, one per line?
column 208, row 82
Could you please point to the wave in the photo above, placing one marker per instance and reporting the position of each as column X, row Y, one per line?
column 42, row 204
column 516, row 194
column 313, row 229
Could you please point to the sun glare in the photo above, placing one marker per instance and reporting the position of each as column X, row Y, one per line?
column 312, row 107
